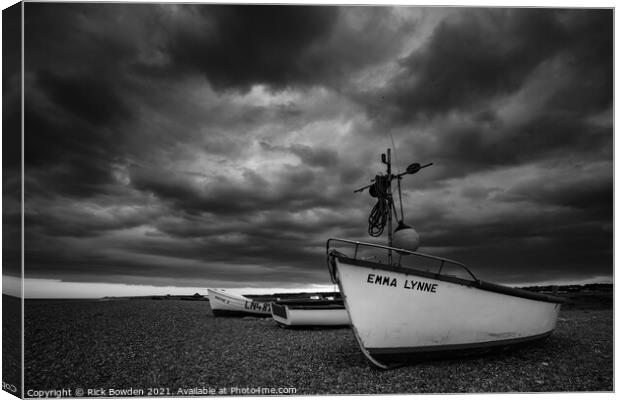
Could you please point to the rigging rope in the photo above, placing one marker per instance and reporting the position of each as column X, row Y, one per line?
column 380, row 212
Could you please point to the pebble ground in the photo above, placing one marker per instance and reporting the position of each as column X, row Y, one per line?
column 178, row 345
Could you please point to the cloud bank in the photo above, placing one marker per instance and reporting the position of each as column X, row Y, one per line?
column 220, row 144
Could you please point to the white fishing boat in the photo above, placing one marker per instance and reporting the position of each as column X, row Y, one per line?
column 310, row 313
column 224, row 303
column 407, row 306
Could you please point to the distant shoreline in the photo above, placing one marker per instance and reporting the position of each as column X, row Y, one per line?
column 559, row 289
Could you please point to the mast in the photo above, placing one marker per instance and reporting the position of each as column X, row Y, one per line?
column 390, row 200
column 388, row 162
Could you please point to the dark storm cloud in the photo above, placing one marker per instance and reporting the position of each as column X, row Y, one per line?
column 11, row 123
column 66, row 157
column 197, row 143
column 482, row 54
column 75, row 104
column 531, row 249
column 526, row 223
column 237, row 46
column 11, row 141
column 591, row 193
column 80, row 221
column 87, row 97
column 82, row 37
column 502, row 87
column 244, row 45
column 79, row 121
column 11, row 88
column 259, row 255
column 471, row 147
column 315, row 157
column 294, row 189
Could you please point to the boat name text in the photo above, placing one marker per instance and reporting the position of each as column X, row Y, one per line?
column 408, row 284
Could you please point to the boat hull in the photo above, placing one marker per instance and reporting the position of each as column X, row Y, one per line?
column 310, row 314
column 402, row 316
column 228, row 304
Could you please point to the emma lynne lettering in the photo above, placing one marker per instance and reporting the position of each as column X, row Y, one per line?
column 408, row 284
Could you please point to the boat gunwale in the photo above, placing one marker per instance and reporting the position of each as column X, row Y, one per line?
column 311, row 303
column 326, row 307
column 478, row 284
column 234, row 296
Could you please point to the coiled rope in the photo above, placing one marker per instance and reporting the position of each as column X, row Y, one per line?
column 380, row 212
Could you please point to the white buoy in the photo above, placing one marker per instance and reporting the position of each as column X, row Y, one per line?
column 405, row 237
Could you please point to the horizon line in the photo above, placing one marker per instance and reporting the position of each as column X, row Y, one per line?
column 43, row 288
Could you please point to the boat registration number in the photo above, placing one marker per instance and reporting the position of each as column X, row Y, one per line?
column 252, row 305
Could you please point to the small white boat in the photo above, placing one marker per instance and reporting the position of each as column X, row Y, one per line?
column 224, row 303
column 310, row 313
column 407, row 306
column 401, row 314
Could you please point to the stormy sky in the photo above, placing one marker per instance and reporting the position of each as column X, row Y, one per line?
column 219, row 145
